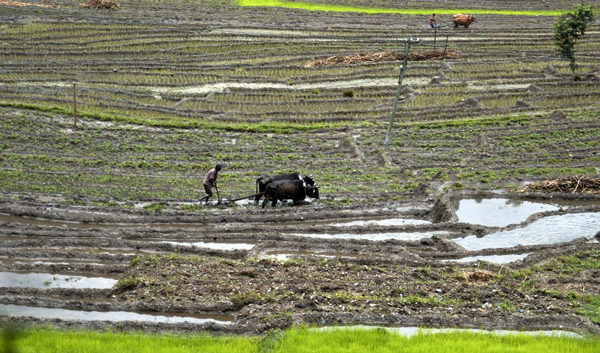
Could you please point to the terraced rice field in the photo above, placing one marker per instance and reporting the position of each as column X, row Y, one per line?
column 164, row 90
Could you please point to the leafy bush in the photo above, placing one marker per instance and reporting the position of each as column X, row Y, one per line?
column 569, row 28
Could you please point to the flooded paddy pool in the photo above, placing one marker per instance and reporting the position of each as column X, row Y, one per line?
column 48, row 280
column 288, row 255
column 497, row 259
column 381, row 222
column 402, row 236
column 22, row 261
column 547, row 230
column 412, row 331
column 499, row 212
column 86, row 225
column 113, row 316
column 213, row 246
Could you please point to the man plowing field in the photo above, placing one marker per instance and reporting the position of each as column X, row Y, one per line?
column 210, row 181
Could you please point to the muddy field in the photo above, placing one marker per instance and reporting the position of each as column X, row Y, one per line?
column 100, row 223
column 249, row 271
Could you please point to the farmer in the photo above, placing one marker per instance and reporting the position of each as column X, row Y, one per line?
column 432, row 21
column 210, row 181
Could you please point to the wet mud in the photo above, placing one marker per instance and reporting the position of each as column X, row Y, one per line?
column 362, row 261
column 260, row 271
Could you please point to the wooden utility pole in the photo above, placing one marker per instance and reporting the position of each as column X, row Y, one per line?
column 74, row 106
column 445, row 47
column 409, row 42
column 434, row 37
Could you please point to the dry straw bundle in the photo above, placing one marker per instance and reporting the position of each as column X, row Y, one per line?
column 22, row 4
column 100, row 4
column 571, row 184
column 384, row 56
column 478, row 276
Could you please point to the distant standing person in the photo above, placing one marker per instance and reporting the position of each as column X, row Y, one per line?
column 432, row 21
column 210, row 181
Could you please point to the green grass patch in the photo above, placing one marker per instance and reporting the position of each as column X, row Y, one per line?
column 50, row 340
column 295, row 340
column 340, row 8
column 379, row 340
column 183, row 123
column 591, row 307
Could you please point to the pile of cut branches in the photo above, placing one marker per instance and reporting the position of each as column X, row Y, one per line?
column 384, row 56
column 570, row 184
column 477, row 276
column 100, row 4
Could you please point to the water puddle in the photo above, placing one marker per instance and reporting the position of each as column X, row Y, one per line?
column 260, row 32
column 547, row 230
column 79, row 225
column 381, row 222
column 517, row 86
column 47, row 280
column 114, row 316
column 224, row 86
column 21, row 261
column 94, row 251
column 406, row 236
column 53, row 223
column 214, row 246
column 496, row 259
column 499, row 212
column 412, row 331
column 288, row 255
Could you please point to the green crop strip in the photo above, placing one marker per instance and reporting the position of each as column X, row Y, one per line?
column 339, row 8
column 183, row 123
column 302, row 339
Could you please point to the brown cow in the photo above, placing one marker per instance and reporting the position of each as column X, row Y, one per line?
column 463, row 20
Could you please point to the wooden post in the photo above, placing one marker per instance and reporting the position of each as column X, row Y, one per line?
column 445, row 47
column 74, row 106
column 434, row 37
column 409, row 42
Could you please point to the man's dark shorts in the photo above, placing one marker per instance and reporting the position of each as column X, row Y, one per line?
column 208, row 190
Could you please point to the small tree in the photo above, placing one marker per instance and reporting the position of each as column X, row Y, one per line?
column 569, row 27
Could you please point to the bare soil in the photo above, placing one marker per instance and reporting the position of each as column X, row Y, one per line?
column 165, row 88
column 323, row 282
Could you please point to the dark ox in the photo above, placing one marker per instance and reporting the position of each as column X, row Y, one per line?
column 296, row 190
column 261, row 183
column 462, row 20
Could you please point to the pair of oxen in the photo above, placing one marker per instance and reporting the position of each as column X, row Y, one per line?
column 281, row 187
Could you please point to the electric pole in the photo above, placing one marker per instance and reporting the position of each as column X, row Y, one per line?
column 409, row 41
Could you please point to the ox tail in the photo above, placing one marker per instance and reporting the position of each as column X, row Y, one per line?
column 258, row 181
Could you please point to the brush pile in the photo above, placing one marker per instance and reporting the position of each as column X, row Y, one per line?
column 384, row 56
column 477, row 276
column 100, row 4
column 571, row 184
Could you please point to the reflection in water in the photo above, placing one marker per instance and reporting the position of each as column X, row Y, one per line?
column 47, row 280
column 547, row 230
column 411, row 331
column 50, row 313
column 223, row 86
column 382, row 222
column 498, row 212
column 408, row 236
column 214, row 246
column 287, row 255
column 497, row 259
